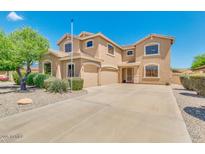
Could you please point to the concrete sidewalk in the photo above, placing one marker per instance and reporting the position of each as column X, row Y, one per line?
column 114, row 113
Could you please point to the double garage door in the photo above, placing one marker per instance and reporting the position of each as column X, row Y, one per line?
column 109, row 76
column 91, row 76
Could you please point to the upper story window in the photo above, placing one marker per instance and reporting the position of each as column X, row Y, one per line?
column 111, row 49
column 68, row 47
column 152, row 49
column 89, row 44
column 130, row 53
column 151, row 70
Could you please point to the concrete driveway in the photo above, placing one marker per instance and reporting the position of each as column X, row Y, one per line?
column 114, row 113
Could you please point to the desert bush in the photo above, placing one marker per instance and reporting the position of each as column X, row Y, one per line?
column 198, row 84
column 57, row 85
column 167, row 83
column 194, row 82
column 30, row 78
column 185, row 81
column 39, row 80
column 47, row 82
column 16, row 77
column 77, row 83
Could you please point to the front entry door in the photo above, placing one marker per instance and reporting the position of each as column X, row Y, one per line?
column 130, row 75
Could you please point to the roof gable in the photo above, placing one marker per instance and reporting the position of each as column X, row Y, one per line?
column 84, row 34
column 66, row 36
column 155, row 35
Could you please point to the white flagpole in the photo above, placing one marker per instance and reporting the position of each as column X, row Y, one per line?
column 71, row 58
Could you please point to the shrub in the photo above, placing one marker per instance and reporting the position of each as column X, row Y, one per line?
column 77, row 83
column 48, row 81
column 30, row 78
column 194, row 82
column 185, row 82
column 39, row 80
column 167, row 83
column 198, row 84
column 57, row 85
column 16, row 77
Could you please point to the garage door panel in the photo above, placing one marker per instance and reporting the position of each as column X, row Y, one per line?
column 109, row 76
column 90, row 76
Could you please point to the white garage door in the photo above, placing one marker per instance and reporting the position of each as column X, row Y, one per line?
column 90, row 76
column 109, row 76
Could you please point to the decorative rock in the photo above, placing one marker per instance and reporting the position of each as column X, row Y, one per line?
column 24, row 101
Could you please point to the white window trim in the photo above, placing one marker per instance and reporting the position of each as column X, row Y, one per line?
column 158, row 76
column 67, row 69
column 113, row 48
column 43, row 63
column 68, row 42
column 87, row 42
column 152, row 43
column 130, row 55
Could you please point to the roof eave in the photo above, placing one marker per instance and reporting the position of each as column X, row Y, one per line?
column 103, row 36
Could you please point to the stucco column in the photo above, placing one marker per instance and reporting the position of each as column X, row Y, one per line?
column 82, row 71
column 136, row 74
column 99, row 76
column 120, row 75
column 58, row 72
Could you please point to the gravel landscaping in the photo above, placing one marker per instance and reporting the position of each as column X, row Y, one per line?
column 192, row 107
column 9, row 106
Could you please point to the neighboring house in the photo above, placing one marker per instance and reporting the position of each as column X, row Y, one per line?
column 199, row 70
column 176, row 73
column 100, row 61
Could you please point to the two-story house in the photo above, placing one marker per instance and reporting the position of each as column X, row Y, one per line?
column 100, row 61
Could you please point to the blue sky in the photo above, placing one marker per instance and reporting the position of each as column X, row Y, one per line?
column 122, row 27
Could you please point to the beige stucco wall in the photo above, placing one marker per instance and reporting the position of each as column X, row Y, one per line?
column 176, row 78
column 163, row 60
column 109, row 59
column 64, row 67
column 126, row 58
column 67, row 40
column 94, row 52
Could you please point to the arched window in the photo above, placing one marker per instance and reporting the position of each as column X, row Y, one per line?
column 47, row 68
column 151, row 71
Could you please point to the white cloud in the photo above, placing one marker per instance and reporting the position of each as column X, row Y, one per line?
column 13, row 16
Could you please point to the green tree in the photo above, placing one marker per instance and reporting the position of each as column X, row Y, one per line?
column 7, row 53
column 21, row 49
column 198, row 61
column 29, row 46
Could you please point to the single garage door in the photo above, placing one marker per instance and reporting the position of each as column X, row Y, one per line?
column 109, row 76
column 90, row 75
